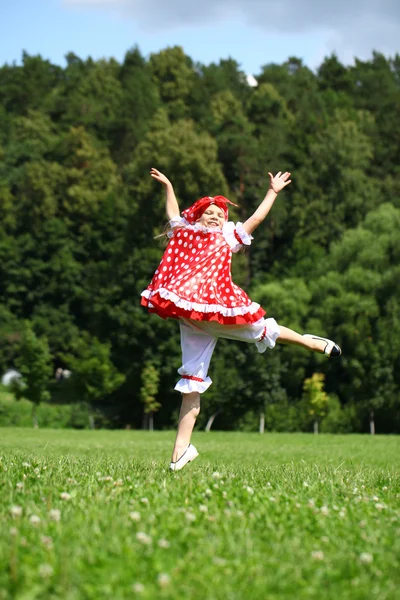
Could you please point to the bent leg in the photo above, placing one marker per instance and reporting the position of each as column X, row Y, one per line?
column 190, row 409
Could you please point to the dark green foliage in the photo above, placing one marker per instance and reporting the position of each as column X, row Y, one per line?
column 79, row 212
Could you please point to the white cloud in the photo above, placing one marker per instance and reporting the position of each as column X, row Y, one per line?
column 350, row 27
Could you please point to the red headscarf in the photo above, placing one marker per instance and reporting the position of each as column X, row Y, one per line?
column 194, row 212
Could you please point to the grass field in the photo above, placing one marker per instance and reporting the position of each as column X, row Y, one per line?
column 96, row 515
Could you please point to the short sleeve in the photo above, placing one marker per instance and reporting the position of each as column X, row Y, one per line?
column 236, row 236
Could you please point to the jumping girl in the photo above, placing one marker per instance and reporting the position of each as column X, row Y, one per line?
column 193, row 284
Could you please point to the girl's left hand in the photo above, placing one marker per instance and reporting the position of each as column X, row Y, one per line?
column 280, row 181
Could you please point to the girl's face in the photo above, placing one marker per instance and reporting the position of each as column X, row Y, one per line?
column 213, row 216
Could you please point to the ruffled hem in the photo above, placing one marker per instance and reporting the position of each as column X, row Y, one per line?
column 167, row 304
column 271, row 334
column 186, row 386
column 229, row 230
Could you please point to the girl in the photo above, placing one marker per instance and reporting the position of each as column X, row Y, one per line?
column 193, row 284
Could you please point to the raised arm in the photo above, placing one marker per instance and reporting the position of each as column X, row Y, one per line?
column 171, row 203
column 277, row 184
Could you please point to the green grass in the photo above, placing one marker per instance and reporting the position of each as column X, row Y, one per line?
column 258, row 517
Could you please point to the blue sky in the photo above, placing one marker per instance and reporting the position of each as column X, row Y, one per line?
column 253, row 32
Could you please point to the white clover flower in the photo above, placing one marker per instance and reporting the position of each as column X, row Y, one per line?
column 134, row 516
column 219, row 561
column 217, row 475
column 298, row 505
column 26, row 465
column 325, row 539
column 145, row 501
column 118, row 482
column 249, row 490
column 55, row 515
column 379, row 506
column 324, row 510
column 71, row 481
column 305, row 484
column 342, row 514
column 366, row 558
column 13, row 531
column 138, row 588
column 190, row 516
column 163, row 543
column 375, row 498
column 143, row 538
column 224, row 494
column 47, row 541
column 272, row 499
column 163, row 580
column 16, row 511
column 269, row 484
column 317, row 555
column 208, row 492
column 385, row 488
column 46, row 571
column 34, row 520
column 20, row 485
column 65, row 496
column 203, row 508
column 311, row 503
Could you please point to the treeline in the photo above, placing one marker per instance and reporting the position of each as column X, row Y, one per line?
column 79, row 213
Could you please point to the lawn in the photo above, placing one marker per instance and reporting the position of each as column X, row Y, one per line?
column 96, row 515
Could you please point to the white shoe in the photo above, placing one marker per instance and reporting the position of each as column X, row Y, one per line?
column 189, row 455
column 331, row 349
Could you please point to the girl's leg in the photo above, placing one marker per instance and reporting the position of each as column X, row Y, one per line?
column 190, row 409
column 288, row 336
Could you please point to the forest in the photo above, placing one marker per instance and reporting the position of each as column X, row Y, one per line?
column 79, row 215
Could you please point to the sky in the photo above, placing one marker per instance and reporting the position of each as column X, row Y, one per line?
column 253, row 32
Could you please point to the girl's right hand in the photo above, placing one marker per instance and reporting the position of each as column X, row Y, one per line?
column 158, row 176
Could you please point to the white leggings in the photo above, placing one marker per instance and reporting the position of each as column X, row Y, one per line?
column 199, row 338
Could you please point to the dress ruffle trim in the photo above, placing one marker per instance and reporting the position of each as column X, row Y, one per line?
column 229, row 230
column 186, row 386
column 168, row 304
column 272, row 332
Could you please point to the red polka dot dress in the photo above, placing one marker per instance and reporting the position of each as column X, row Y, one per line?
column 193, row 280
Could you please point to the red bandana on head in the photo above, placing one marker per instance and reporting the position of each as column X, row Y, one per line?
column 194, row 212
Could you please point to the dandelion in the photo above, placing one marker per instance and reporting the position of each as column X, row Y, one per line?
column 163, row 543
column 20, row 485
column 138, row 588
column 203, row 508
column 55, row 515
column 143, row 538
column 16, row 511
column 366, row 558
column 46, row 571
column 324, row 511
column 134, row 516
column 317, row 555
column 163, row 580
column 34, row 520
column 65, row 496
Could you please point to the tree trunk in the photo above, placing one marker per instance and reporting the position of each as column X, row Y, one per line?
column 151, row 421
column 262, row 422
column 211, row 421
column 371, row 423
column 34, row 416
column 91, row 421
column 315, row 426
column 145, row 421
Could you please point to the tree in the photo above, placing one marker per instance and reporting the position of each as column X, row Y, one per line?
column 316, row 397
column 148, row 393
column 35, row 365
column 94, row 376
